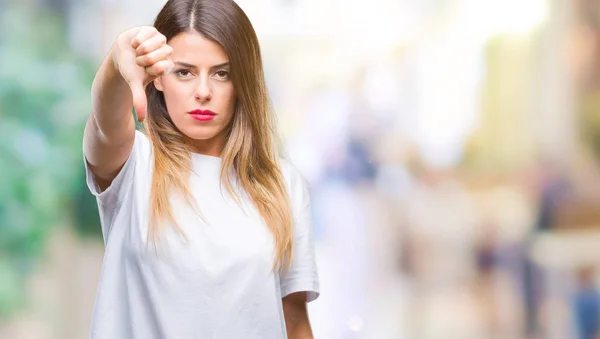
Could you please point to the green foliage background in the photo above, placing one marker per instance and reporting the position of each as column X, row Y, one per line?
column 44, row 103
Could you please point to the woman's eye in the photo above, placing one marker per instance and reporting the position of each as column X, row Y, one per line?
column 183, row 72
column 222, row 74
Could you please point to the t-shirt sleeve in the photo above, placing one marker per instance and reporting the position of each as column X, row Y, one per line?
column 112, row 197
column 302, row 275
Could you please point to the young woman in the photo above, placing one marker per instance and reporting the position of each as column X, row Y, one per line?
column 207, row 231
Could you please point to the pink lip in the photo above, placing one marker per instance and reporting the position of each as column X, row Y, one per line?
column 202, row 115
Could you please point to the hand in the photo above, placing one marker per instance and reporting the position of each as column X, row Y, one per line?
column 141, row 54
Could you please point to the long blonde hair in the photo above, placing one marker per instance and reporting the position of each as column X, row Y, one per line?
column 250, row 151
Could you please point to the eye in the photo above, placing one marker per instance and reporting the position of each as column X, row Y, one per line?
column 183, row 73
column 222, row 74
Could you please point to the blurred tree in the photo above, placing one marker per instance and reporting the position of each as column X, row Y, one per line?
column 44, row 100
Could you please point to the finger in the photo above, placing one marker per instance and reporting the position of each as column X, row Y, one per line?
column 144, row 34
column 151, row 44
column 140, row 103
column 150, row 59
column 160, row 68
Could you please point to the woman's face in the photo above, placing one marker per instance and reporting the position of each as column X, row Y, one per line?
column 198, row 92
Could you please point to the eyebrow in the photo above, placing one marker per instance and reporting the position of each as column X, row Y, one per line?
column 185, row 64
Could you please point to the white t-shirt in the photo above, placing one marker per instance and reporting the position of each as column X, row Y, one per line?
column 219, row 284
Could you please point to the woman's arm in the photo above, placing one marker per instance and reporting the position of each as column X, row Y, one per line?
column 297, row 323
column 137, row 56
column 110, row 129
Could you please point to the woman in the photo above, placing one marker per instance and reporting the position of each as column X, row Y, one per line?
column 207, row 231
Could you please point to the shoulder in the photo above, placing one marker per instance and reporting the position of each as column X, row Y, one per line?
column 291, row 173
column 296, row 184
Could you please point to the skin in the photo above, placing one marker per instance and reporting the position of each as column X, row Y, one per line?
column 200, row 80
column 137, row 56
column 297, row 322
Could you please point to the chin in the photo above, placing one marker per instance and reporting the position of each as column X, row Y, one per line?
column 203, row 134
column 200, row 136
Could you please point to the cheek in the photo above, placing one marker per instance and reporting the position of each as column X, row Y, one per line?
column 230, row 99
column 174, row 93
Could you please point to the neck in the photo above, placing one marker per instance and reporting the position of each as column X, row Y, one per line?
column 213, row 147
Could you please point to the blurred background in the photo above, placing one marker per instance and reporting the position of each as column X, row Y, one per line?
column 452, row 146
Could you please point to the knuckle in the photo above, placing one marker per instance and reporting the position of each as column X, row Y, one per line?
column 143, row 49
column 149, row 59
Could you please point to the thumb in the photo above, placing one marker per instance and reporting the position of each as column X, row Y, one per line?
column 140, row 103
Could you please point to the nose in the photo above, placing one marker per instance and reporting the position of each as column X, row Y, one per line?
column 203, row 91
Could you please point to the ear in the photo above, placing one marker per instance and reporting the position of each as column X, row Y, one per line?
column 158, row 84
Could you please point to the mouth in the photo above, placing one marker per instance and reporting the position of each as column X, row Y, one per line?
column 202, row 115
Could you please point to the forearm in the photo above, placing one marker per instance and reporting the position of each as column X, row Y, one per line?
column 110, row 129
column 111, row 103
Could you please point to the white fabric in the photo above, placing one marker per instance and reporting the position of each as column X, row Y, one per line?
column 217, row 285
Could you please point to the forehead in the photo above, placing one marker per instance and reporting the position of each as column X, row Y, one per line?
column 193, row 48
